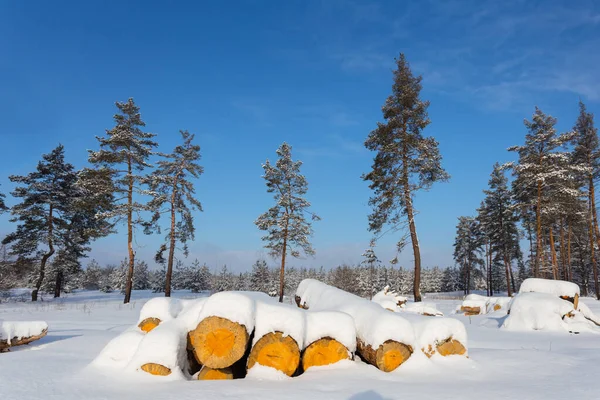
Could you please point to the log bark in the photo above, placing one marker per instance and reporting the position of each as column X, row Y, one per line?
column 21, row 341
column 553, row 253
column 219, row 342
column 324, row 351
column 148, row 324
column 129, row 282
column 156, row 369
column 215, row 374
column 387, row 357
column 276, row 351
column 193, row 365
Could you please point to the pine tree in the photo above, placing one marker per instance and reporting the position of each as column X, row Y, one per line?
column 171, row 187
column 405, row 163
column 141, row 276
column 468, row 248
column 259, row 278
column 586, row 154
column 157, row 280
column 498, row 221
column 223, row 281
column 124, row 154
column 92, row 276
column 3, row 206
column 286, row 223
column 46, row 196
column 539, row 161
column 370, row 265
column 118, row 277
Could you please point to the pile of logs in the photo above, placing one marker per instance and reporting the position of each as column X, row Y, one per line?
column 20, row 333
column 227, row 334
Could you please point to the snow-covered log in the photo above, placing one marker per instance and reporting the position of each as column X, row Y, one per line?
column 162, row 351
column 278, row 337
column 389, row 299
column 226, row 323
column 215, row 374
column 119, row 351
column 538, row 311
column 17, row 333
column 157, row 310
column 565, row 290
column 475, row 304
column 443, row 336
column 330, row 336
column 384, row 339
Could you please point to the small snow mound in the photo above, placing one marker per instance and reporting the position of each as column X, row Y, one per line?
column 389, row 299
column 263, row 373
column 234, row 306
column 556, row 288
column 334, row 324
column 120, row 350
column 538, row 311
column 272, row 317
column 163, row 308
column 423, row 308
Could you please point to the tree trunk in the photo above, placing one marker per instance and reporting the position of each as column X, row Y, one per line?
column 171, row 244
column 507, row 268
column 595, row 221
column 129, row 282
column 488, row 268
column 553, row 253
column 58, row 284
column 538, row 216
column 282, row 270
column 491, row 272
column 561, row 272
column 569, row 270
column 46, row 256
column 512, row 279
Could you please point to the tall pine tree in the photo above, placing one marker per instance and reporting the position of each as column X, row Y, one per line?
column 288, row 229
column 499, row 222
column 406, row 161
column 173, row 193
column 587, row 154
column 46, row 197
column 124, row 153
column 468, row 248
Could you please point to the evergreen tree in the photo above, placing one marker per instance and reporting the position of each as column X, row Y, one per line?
column 223, row 281
column 405, row 163
column 498, row 221
column 118, row 277
column 92, row 276
column 64, row 273
column 174, row 193
column 46, row 197
column 287, row 228
column 370, row 265
column 3, row 206
column 538, row 161
column 586, row 154
column 157, row 280
column 141, row 276
column 259, row 279
column 123, row 155
column 468, row 248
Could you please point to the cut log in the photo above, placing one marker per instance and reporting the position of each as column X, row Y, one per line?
column 324, row 352
column 448, row 347
column 193, row 365
column 470, row 310
column 219, row 342
column 156, row 369
column 387, row 357
column 383, row 339
column 574, row 300
column 497, row 307
column 214, row 374
column 148, row 324
column 303, row 305
column 17, row 341
column 276, row 351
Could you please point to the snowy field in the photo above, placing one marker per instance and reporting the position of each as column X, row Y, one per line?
column 502, row 364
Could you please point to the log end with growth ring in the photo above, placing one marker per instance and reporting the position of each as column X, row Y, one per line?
column 156, row 369
column 448, row 347
column 219, row 342
column 215, row 374
column 387, row 357
column 148, row 324
column 324, row 351
column 470, row 310
column 276, row 351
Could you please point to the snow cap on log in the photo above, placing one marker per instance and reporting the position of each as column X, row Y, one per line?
column 333, row 324
column 538, row 311
column 235, row 306
column 16, row 330
column 157, row 310
column 163, row 346
column 434, row 332
column 554, row 287
column 119, row 351
column 272, row 317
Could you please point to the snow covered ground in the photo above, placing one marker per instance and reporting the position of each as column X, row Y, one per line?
column 503, row 364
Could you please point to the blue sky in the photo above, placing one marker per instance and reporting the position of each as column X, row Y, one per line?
column 247, row 75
